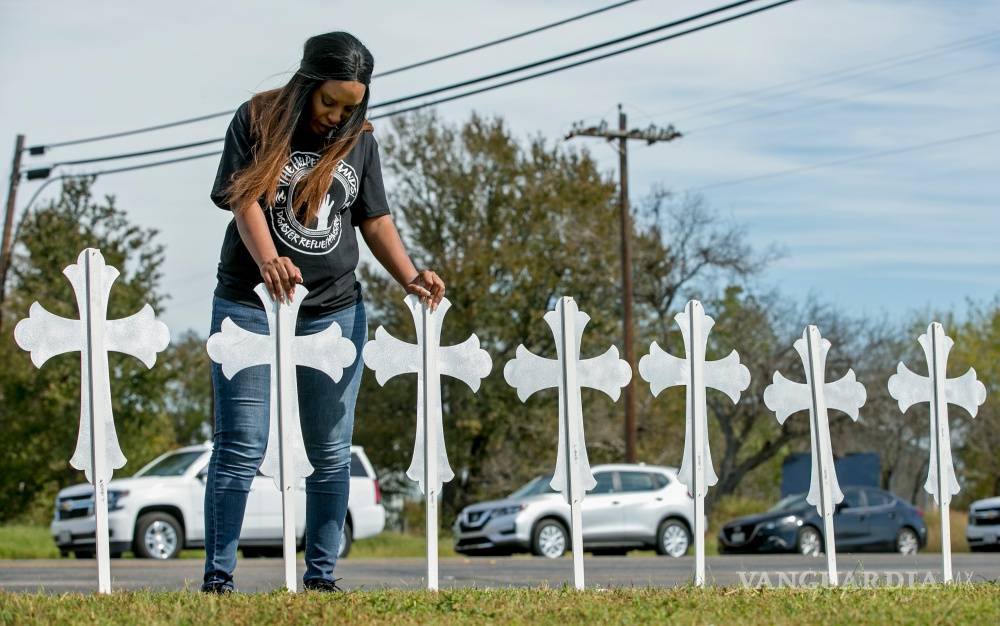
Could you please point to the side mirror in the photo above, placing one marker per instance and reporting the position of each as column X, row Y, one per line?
column 203, row 475
column 841, row 506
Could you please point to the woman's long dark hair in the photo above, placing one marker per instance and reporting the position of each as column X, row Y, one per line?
column 275, row 115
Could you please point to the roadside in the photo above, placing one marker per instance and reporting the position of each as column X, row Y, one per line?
column 34, row 542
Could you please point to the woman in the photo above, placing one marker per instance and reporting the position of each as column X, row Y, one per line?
column 299, row 170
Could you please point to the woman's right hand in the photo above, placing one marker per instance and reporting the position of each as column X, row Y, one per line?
column 280, row 276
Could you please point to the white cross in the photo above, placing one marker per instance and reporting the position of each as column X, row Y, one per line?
column 427, row 359
column 93, row 336
column 939, row 390
column 785, row 397
column 662, row 370
column 328, row 351
column 529, row 373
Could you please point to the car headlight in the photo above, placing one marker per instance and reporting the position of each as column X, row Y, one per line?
column 115, row 496
column 508, row 510
column 784, row 522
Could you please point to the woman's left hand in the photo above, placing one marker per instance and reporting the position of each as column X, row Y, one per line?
column 428, row 286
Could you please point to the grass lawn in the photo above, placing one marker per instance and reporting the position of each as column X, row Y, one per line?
column 34, row 542
column 27, row 542
column 969, row 604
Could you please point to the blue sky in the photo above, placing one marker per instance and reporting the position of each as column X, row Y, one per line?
column 883, row 236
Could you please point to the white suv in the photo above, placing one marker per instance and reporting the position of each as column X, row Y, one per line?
column 983, row 530
column 632, row 506
column 161, row 510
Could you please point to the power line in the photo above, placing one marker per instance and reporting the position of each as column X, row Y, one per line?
column 495, row 42
column 837, row 75
column 512, row 81
column 43, row 172
column 565, row 55
column 128, row 155
column 34, row 196
column 860, row 157
column 581, row 62
column 813, row 105
column 41, row 148
column 118, row 170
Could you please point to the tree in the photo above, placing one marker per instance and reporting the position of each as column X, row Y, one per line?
column 189, row 388
column 977, row 344
column 512, row 227
column 40, row 408
column 763, row 329
column 685, row 250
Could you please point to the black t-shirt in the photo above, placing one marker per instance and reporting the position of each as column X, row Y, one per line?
column 326, row 251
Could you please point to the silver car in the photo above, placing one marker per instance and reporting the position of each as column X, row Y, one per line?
column 632, row 506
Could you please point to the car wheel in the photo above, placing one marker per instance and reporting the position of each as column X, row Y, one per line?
column 346, row 539
column 809, row 541
column 673, row 538
column 83, row 554
column 550, row 539
column 158, row 535
column 906, row 541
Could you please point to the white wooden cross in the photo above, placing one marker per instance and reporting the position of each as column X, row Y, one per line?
column 328, row 351
column 93, row 336
column 785, row 397
column 937, row 389
column 427, row 359
column 662, row 370
column 529, row 373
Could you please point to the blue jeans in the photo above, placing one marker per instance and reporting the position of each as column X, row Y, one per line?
column 326, row 412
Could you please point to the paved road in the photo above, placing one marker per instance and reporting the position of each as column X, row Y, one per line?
column 65, row 575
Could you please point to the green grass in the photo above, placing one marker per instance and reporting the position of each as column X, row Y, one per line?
column 27, row 542
column 35, row 542
column 392, row 544
column 955, row 604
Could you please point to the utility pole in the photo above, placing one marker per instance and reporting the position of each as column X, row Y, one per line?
column 650, row 135
column 8, row 222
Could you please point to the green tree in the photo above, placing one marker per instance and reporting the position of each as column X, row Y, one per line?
column 512, row 226
column 977, row 344
column 40, row 408
column 189, row 388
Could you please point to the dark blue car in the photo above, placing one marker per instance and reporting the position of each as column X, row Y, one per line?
column 868, row 519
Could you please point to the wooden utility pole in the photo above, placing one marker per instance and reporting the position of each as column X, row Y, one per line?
column 650, row 135
column 8, row 222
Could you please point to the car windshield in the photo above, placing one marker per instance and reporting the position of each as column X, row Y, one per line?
column 794, row 501
column 172, row 464
column 534, row 487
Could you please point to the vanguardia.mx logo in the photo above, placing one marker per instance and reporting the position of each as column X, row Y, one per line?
column 863, row 578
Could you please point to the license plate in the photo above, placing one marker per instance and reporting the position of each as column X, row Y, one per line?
column 65, row 536
column 738, row 537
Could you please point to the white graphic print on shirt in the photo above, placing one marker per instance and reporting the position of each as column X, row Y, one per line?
column 321, row 235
